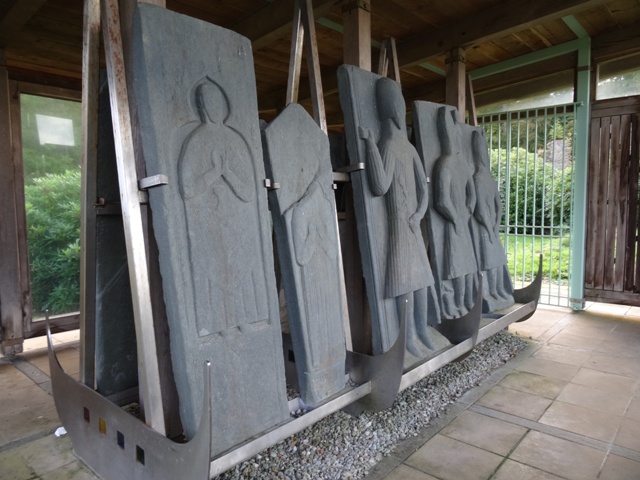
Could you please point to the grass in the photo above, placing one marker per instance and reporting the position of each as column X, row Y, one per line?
column 523, row 252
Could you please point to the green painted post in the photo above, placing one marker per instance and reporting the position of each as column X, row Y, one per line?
column 581, row 153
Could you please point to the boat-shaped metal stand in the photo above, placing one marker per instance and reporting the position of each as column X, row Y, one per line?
column 458, row 330
column 383, row 371
column 115, row 444
column 530, row 293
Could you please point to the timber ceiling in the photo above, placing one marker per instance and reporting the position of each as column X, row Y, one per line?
column 42, row 39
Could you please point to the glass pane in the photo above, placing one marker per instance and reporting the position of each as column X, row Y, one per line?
column 619, row 78
column 51, row 150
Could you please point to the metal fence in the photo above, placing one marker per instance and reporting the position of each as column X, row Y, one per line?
column 532, row 160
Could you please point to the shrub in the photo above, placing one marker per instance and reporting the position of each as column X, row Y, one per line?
column 53, row 232
column 537, row 197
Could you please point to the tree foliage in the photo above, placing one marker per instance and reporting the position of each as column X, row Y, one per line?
column 52, row 199
column 53, row 219
column 536, row 195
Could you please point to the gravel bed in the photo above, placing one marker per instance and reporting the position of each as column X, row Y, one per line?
column 345, row 447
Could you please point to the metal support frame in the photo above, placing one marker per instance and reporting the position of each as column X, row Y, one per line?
column 304, row 34
column 389, row 55
column 115, row 444
column 148, row 370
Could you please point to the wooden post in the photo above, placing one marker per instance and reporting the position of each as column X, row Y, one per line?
column 356, row 51
column 357, row 33
column 90, row 87
column 11, row 302
column 456, row 76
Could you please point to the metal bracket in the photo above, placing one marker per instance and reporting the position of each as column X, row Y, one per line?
column 143, row 197
column 269, row 185
column 341, row 175
column 153, row 181
column 115, row 444
column 351, row 168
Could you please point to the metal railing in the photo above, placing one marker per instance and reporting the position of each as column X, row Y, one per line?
column 532, row 160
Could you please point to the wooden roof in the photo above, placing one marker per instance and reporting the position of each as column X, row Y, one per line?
column 43, row 38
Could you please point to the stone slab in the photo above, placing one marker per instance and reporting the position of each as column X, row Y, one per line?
column 115, row 342
column 297, row 157
column 390, row 201
column 451, row 247
column 463, row 194
column 197, row 107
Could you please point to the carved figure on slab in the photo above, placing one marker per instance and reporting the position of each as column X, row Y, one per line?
column 395, row 171
column 296, row 152
column 214, row 165
column 454, row 199
column 492, row 261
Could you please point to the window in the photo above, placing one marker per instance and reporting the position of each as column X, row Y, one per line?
column 619, row 78
column 51, row 150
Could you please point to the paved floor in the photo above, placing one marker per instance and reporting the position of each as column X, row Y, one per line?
column 567, row 407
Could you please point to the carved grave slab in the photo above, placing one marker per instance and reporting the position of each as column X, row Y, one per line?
column 115, row 343
column 197, row 107
column 304, row 215
column 497, row 290
column 445, row 145
column 390, row 201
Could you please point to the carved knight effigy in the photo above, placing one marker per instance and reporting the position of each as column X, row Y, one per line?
column 391, row 200
column 485, row 225
column 211, row 221
column 304, row 216
column 466, row 206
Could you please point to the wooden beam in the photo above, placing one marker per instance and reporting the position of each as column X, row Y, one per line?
column 455, row 80
column 616, row 43
column 357, row 33
column 16, row 18
column 502, row 19
column 535, row 86
column 90, row 92
column 274, row 21
column 11, row 326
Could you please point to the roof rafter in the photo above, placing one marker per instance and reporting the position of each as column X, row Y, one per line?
column 16, row 18
column 274, row 21
column 504, row 18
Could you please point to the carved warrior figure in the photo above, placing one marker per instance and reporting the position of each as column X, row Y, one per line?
column 454, row 199
column 214, row 164
column 395, row 171
column 498, row 290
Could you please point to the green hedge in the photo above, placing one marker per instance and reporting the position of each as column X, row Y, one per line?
column 53, row 223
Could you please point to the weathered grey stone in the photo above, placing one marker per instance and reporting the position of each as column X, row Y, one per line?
column 115, row 340
column 197, row 108
column 304, row 217
column 438, row 139
column 497, row 288
column 390, row 201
